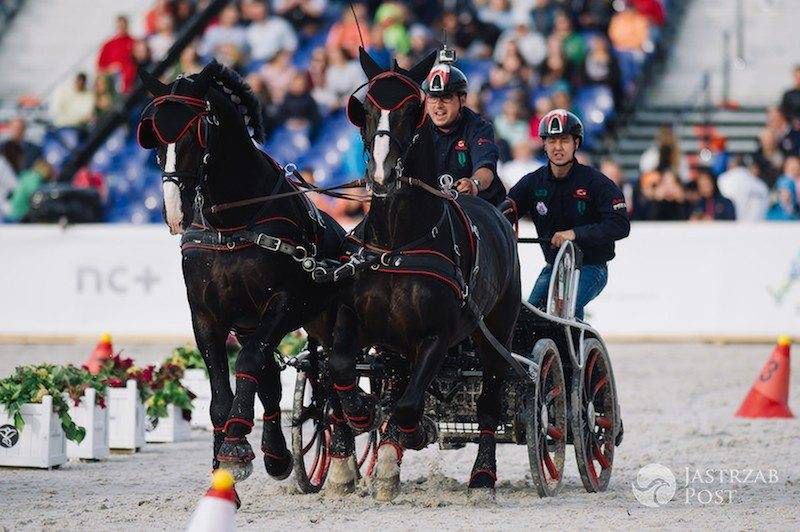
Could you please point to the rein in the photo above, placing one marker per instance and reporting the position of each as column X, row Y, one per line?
column 356, row 183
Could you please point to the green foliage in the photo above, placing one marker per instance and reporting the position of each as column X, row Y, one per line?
column 187, row 357
column 168, row 390
column 75, row 381
column 29, row 384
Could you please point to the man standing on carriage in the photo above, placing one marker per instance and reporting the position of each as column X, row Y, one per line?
column 569, row 201
column 465, row 146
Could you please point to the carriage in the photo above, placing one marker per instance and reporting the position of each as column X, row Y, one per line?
column 568, row 396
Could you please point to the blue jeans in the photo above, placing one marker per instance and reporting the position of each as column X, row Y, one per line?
column 592, row 281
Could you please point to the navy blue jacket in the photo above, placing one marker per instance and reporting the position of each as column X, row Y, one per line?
column 585, row 201
column 466, row 148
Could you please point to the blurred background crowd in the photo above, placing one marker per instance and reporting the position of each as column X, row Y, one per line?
column 522, row 58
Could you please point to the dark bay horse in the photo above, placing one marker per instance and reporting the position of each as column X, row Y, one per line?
column 444, row 264
column 241, row 262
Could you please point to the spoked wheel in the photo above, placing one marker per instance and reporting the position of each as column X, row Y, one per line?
column 594, row 417
column 546, row 420
column 311, row 435
column 367, row 443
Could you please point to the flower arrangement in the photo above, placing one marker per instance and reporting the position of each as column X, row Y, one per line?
column 167, row 389
column 158, row 388
column 75, row 381
column 117, row 371
column 29, row 384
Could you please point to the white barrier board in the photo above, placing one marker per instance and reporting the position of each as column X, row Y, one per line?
column 712, row 279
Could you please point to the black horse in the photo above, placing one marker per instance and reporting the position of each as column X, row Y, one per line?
column 443, row 265
column 243, row 262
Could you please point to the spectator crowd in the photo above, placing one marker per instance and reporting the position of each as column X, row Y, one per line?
column 522, row 58
column 764, row 185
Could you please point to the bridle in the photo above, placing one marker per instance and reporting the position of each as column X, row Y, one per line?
column 202, row 120
column 414, row 94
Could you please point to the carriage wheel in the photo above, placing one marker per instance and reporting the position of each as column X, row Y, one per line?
column 546, row 420
column 594, row 417
column 311, row 435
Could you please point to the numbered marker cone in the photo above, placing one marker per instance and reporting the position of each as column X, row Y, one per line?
column 769, row 396
column 217, row 509
column 102, row 351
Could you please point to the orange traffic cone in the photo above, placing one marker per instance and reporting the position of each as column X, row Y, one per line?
column 102, row 351
column 217, row 509
column 769, row 396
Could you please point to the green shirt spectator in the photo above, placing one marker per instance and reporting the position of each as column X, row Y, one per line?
column 29, row 182
column 391, row 16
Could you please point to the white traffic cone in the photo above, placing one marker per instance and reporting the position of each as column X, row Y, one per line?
column 217, row 509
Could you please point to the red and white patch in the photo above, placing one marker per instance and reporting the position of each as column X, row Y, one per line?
column 442, row 72
column 461, row 145
column 581, row 193
column 556, row 121
column 618, row 204
column 482, row 141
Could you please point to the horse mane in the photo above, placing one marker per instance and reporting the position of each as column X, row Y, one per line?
column 241, row 95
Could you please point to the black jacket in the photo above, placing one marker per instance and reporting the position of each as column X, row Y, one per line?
column 585, row 201
column 466, row 148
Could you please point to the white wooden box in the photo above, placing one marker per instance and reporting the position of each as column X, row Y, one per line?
column 41, row 443
column 196, row 381
column 125, row 418
column 95, row 420
column 172, row 428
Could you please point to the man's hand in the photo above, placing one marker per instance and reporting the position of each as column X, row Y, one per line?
column 561, row 237
column 466, row 186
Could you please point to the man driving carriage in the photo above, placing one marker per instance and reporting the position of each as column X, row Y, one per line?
column 465, row 144
column 570, row 201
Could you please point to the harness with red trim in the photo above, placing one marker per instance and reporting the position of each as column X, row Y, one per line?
column 432, row 255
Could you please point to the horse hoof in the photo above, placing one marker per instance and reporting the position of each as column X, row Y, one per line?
column 341, row 477
column 387, row 489
column 237, row 457
column 425, row 434
column 239, row 470
column 482, row 480
column 278, row 467
column 387, row 474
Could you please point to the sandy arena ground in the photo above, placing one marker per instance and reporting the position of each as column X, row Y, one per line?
column 677, row 402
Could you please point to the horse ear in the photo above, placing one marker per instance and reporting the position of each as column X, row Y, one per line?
column 400, row 70
column 421, row 70
column 152, row 83
column 356, row 112
column 368, row 64
column 208, row 72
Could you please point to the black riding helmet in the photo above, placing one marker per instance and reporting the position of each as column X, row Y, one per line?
column 559, row 122
column 445, row 79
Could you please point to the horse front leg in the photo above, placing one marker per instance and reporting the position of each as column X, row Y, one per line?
column 359, row 408
column 406, row 429
column 354, row 411
column 277, row 458
column 210, row 337
column 255, row 360
column 343, row 472
column 489, row 404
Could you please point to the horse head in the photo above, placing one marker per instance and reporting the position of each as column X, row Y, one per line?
column 389, row 118
column 182, row 121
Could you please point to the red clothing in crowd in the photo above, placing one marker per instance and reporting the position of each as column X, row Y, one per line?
column 116, row 55
column 652, row 9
